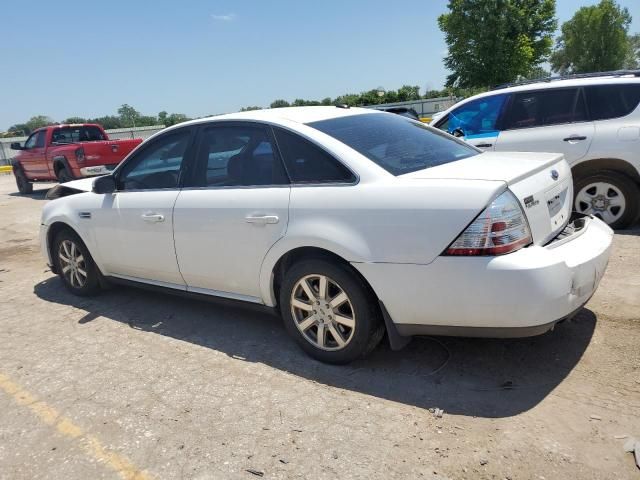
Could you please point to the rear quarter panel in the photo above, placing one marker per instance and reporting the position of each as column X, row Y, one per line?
column 404, row 221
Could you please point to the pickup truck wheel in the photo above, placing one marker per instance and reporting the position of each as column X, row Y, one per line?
column 329, row 311
column 610, row 196
column 64, row 175
column 23, row 184
column 74, row 264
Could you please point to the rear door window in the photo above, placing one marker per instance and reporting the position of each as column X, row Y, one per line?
column 612, row 101
column 88, row 133
column 237, row 156
column 545, row 107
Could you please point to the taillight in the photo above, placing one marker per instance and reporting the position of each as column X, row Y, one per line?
column 80, row 155
column 501, row 228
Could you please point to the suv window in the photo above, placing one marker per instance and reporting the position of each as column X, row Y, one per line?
column 158, row 165
column 87, row 133
column 476, row 117
column 307, row 163
column 395, row 143
column 612, row 101
column 545, row 107
column 237, row 156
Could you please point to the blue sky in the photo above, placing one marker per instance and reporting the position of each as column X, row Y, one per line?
column 203, row 57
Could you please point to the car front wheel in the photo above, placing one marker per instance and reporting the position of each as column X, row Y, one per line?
column 610, row 196
column 330, row 311
column 74, row 264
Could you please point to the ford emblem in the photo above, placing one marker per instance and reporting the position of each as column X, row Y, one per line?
column 555, row 174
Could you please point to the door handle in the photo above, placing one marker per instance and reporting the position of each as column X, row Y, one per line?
column 574, row 138
column 152, row 217
column 484, row 145
column 262, row 219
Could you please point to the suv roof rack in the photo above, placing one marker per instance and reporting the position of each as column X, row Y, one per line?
column 614, row 73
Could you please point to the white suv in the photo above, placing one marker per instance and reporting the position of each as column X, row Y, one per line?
column 594, row 120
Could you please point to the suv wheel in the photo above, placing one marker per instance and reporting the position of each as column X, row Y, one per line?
column 330, row 311
column 610, row 196
column 23, row 184
column 64, row 175
column 75, row 266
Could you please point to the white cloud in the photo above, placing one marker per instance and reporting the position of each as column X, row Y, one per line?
column 224, row 18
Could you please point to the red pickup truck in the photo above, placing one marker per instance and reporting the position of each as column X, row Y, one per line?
column 67, row 152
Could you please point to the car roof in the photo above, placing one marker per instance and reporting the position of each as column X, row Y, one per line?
column 287, row 114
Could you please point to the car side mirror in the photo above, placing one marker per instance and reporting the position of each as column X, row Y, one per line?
column 106, row 184
column 17, row 146
column 458, row 132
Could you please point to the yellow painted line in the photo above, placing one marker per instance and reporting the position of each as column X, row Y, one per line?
column 63, row 425
column 5, row 168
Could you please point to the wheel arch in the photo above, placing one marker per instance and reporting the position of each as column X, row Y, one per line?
column 277, row 270
column 589, row 167
column 60, row 162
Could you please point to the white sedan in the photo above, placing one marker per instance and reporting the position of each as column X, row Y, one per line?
column 351, row 222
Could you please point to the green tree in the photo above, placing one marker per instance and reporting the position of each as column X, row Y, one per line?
column 408, row 92
column 279, row 104
column 594, row 40
column 75, row 120
column 39, row 121
column 162, row 118
column 128, row 115
column 326, row 101
column 494, row 41
column 633, row 59
column 248, row 109
column 19, row 130
column 176, row 118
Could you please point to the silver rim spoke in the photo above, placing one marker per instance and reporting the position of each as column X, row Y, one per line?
column 72, row 264
column 601, row 199
column 323, row 312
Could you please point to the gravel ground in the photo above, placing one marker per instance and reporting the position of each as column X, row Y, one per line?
column 134, row 384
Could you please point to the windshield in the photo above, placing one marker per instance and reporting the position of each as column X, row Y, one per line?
column 87, row 133
column 397, row 144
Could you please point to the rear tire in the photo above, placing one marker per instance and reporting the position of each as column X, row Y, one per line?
column 64, row 175
column 330, row 311
column 24, row 186
column 610, row 196
column 74, row 264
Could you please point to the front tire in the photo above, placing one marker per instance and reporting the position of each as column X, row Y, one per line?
column 24, row 186
column 74, row 264
column 610, row 196
column 330, row 311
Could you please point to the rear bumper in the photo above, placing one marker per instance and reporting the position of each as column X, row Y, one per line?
column 97, row 170
column 520, row 294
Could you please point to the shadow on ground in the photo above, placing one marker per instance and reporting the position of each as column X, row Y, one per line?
column 35, row 195
column 476, row 377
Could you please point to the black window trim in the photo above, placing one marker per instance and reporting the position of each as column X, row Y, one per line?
column 187, row 159
column 317, row 145
column 536, row 90
column 190, row 179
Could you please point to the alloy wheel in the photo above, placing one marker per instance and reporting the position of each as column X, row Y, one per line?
column 323, row 312
column 72, row 264
column 601, row 199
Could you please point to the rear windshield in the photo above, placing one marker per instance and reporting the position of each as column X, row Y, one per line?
column 77, row 134
column 397, row 144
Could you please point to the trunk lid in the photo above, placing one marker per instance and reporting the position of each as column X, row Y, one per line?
column 541, row 181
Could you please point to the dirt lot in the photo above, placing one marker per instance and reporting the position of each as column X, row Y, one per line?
column 133, row 384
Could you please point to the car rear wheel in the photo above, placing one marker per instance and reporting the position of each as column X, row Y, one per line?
column 75, row 265
column 64, row 175
column 23, row 184
column 329, row 311
column 610, row 196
